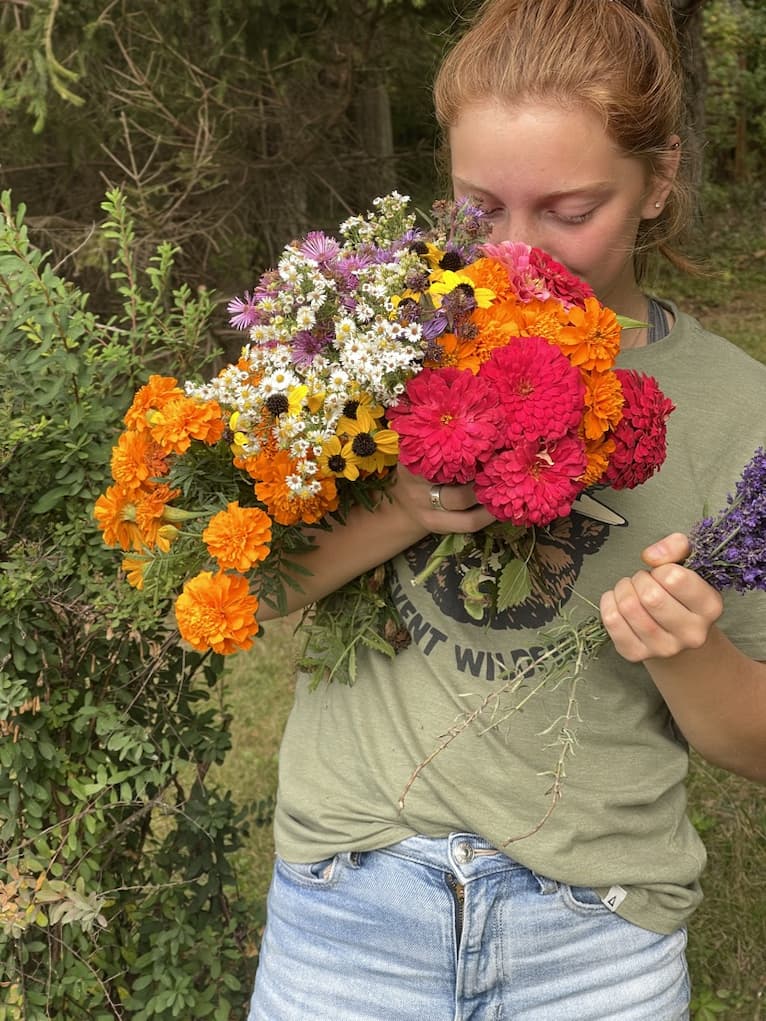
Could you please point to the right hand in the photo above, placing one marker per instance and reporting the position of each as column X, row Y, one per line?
column 459, row 511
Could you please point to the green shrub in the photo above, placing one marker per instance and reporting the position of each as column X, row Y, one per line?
column 115, row 888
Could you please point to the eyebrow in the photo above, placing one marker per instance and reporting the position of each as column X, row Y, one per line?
column 597, row 188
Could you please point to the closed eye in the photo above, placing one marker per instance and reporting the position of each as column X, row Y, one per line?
column 574, row 219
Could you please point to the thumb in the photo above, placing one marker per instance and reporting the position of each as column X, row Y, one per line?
column 673, row 549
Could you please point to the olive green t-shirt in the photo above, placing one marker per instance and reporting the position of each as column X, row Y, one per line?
column 621, row 823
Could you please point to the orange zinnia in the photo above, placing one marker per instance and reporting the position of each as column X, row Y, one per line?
column 115, row 513
column 184, row 419
column 238, row 537
column 591, row 338
column 535, row 318
column 217, row 611
column 490, row 274
column 137, row 459
column 284, row 506
column 603, row 403
column 151, row 397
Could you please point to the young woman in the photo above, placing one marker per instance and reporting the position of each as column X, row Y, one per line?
column 564, row 117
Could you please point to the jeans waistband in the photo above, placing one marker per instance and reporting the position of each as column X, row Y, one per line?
column 467, row 855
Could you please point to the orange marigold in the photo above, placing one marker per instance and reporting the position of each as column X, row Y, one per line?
column 151, row 508
column 217, row 611
column 238, row 537
column 184, row 419
column 591, row 338
column 115, row 513
column 597, row 453
column 151, row 397
column 134, row 567
column 284, row 506
column 137, row 459
column 603, row 403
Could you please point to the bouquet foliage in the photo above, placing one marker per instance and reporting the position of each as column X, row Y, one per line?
column 463, row 360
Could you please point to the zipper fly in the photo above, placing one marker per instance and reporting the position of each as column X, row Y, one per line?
column 458, row 892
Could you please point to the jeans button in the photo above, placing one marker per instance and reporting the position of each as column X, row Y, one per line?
column 464, row 853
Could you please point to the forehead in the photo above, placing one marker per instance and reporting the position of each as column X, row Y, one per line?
column 535, row 147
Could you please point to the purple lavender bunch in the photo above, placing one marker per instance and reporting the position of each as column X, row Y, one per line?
column 729, row 548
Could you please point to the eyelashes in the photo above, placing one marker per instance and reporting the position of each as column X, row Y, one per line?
column 575, row 220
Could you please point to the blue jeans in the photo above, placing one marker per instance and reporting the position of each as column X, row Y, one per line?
column 450, row 930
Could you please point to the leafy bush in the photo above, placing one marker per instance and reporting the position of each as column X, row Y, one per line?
column 115, row 888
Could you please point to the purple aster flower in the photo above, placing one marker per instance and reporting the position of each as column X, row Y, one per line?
column 353, row 262
column 306, row 346
column 243, row 311
column 436, row 325
column 320, row 247
column 729, row 548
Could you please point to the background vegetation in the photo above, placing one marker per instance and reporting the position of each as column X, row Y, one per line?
column 136, row 781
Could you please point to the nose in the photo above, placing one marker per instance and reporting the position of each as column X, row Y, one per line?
column 516, row 227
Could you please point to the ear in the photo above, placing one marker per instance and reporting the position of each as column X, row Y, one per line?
column 662, row 182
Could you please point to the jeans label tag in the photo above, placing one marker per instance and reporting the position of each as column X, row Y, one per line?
column 615, row 896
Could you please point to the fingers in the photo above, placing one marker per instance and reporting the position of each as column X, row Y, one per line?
column 455, row 511
column 660, row 613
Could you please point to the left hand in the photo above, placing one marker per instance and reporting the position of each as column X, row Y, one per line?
column 662, row 611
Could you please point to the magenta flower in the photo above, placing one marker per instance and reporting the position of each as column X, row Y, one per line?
column 640, row 446
column 540, row 391
column 447, row 421
column 532, row 483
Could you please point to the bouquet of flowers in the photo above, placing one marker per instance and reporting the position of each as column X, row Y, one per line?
column 430, row 347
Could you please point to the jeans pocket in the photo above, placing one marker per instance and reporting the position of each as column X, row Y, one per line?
column 582, row 898
column 313, row 873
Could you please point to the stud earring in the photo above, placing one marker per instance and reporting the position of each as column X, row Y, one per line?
column 658, row 205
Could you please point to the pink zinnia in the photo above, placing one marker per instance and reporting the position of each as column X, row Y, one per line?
column 540, row 391
column 532, row 483
column 640, row 434
column 447, row 421
column 534, row 274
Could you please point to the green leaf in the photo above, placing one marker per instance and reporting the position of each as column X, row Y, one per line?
column 50, row 499
column 514, row 585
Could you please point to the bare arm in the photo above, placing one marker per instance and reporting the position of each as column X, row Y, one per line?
column 666, row 618
column 369, row 538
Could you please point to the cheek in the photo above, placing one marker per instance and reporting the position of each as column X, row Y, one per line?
column 600, row 252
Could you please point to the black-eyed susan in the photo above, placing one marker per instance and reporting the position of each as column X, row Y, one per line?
column 335, row 461
column 375, row 449
column 361, row 412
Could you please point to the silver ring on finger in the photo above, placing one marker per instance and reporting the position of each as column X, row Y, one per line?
column 435, row 495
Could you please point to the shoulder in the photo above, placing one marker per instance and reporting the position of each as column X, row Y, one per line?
column 716, row 351
column 700, row 368
column 718, row 391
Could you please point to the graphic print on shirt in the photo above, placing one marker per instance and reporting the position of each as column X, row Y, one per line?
column 555, row 566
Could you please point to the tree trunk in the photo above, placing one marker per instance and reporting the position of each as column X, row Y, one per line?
column 687, row 15
column 373, row 122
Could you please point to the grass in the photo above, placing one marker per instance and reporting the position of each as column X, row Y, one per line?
column 728, row 934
